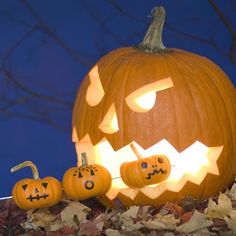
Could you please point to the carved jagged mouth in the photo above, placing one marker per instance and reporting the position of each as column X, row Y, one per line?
column 190, row 165
column 37, row 197
column 156, row 172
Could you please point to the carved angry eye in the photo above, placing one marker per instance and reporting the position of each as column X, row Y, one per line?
column 95, row 90
column 24, row 187
column 45, row 185
column 144, row 99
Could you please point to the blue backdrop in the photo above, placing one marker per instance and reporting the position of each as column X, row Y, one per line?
column 46, row 48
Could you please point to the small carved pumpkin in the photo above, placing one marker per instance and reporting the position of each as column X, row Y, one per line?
column 145, row 171
column 36, row 193
column 86, row 181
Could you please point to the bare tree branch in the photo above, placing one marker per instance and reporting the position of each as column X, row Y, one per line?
column 38, row 118
column 16, row 45
column 101, row 22
column 123, row 12
column 10, row 104
column 230, row 29
column 209, row 42
column 24, row 88
column 45, row 28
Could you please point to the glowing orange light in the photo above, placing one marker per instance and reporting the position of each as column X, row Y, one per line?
column 192, row 164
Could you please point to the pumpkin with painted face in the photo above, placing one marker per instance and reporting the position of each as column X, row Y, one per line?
column 86, row 181
column 145, row 171
column 164, row 101
column 36, row 193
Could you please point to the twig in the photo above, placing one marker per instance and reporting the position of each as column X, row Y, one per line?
column 45, row 28
column 229, row 28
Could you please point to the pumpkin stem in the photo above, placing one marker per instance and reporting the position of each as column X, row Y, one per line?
column 139, row 156
column 84, row 159
column 152, row 41
column 27, row 164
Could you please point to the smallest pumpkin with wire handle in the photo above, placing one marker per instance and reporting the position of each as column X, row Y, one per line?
column 35, row 193
column 86, row 181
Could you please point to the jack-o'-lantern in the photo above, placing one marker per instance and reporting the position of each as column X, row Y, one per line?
column 36, row 193
column 86, row 181
column 145, row 171
column 163, row 101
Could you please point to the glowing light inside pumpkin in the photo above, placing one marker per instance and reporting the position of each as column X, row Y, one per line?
column 146, row 101
column 143, row 99
column 192, row 164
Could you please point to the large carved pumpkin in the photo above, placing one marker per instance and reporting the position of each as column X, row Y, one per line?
column 162, row 101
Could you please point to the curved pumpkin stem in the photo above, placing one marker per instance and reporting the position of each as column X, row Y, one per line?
column 139, row 156
column 84, row 159
column 27, row 164
column 152, row 41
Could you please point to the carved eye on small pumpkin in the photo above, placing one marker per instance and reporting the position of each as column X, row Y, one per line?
column 144, row 99
column 45, row 185
column 24, row 187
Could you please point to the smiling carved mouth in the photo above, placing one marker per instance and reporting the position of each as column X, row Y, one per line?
column 37, row 197
column 190, row 165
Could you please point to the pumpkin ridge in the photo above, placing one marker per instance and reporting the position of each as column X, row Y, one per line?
column 206, row 84
column 189, row 89
column 172, row 75
column 222, row 96
column 230, row 122
column 124, row 85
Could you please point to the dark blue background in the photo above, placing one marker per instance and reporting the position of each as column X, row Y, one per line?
column 51, row 66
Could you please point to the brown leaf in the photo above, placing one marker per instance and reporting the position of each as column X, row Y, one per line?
column 39, row 219
column 186, row 217
column 74, row 214
column 197, row 222
column 174, row 208
column 89, row 229
column 161, row 222
column 67, row 230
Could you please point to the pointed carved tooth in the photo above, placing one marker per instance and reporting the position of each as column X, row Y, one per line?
column 130, row 193
column 74, row 135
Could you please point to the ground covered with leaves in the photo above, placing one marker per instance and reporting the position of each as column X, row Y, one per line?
column 214, row 216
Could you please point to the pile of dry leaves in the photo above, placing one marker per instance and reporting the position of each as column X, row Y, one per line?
column 210, row 217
